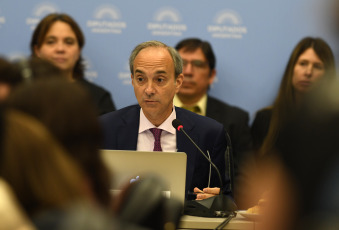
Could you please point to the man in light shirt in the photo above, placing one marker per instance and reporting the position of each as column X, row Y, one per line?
column 156, row 75
column 199, row 69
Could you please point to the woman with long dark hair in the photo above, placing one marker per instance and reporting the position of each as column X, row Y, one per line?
column 311, row 61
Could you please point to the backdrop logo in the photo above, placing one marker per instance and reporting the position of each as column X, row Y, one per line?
column 167, row 23
column 16, row 56
column 2, row 20
column 125, row 75
column 39, row 12
column 227, row 24
column 90, row 72
column 106, row 20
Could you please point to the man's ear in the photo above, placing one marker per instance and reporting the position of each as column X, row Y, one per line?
column 178, row 82
column 212, row 75
column 132, row 79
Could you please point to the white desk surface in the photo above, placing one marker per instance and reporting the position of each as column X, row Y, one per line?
column 195, row 222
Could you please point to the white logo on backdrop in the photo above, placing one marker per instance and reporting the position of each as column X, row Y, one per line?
column 90, row 73
column 167, row 23
column 16, row 56
column 125, row 76
column 227, row 25
column 2, row 20
column 39, row 12
column 106, row 20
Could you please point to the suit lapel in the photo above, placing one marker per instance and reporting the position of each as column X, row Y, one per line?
column 128, row 138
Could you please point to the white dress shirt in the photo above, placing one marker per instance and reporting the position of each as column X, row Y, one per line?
column 168, row 137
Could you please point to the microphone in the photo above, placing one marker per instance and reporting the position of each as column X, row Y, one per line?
column 178, row 126
column 217, row 206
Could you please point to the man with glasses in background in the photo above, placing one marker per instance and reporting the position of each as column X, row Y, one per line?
column 199, row 73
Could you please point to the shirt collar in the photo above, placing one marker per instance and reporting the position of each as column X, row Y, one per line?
column 145, row 124
column 202, row 103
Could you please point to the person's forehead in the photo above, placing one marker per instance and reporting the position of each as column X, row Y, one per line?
column 60, row 24
column 198, row 53
column 153, row 50
column 153, row 55
column 309, row 52
column 60, row 29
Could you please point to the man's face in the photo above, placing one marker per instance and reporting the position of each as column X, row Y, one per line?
column 154, row 83
column 197, row 75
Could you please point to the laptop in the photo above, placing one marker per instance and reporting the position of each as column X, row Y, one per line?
column 127, row 166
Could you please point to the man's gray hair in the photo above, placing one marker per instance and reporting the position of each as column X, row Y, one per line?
column 177, row 61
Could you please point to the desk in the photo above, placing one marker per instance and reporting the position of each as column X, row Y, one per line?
column 195, row 222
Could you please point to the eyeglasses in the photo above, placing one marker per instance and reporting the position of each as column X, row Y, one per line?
column 196, row 64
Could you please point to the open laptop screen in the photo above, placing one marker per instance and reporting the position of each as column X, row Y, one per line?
column 127, row 166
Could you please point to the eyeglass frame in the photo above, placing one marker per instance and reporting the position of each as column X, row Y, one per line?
column 196, row 64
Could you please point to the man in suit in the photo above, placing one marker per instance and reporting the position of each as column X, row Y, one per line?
column 156, row 74
column 199, row 73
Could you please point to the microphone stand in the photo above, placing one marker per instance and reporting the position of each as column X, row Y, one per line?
column 221, row 205
column 214, row 166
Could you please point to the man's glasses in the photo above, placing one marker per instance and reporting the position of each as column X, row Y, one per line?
column 196, row 64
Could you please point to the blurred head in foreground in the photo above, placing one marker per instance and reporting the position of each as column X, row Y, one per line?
column 14, row 73
column 305, row 166
column 41, row 174
column 66, row 111
column 9, row 78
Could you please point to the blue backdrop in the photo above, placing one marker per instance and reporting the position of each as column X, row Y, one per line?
column 252, row 39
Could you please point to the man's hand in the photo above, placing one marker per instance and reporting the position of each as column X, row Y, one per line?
column 206, row 192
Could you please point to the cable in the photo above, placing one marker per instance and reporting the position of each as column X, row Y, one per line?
column 209, row 177
column 226, row 221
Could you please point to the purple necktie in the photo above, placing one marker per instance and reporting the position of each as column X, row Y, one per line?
column 156, row 133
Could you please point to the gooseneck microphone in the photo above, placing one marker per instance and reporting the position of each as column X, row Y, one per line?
column 217, row 206
column 178, row 126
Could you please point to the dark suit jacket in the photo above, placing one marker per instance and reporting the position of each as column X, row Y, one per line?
column 101, row 97
column 120, row 129
column 235, row 121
